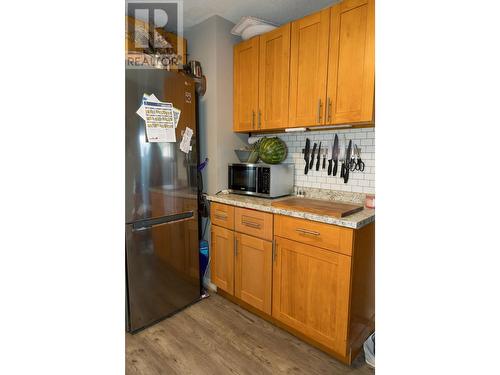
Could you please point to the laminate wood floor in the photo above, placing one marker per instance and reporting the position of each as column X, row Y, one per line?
column 217, row 337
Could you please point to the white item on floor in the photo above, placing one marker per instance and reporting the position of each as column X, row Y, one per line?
column 248, row 27
column 369, row 348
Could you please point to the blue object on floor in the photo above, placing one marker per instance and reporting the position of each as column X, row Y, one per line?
column 203, row 258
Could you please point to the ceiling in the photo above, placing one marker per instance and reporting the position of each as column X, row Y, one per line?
column 276, row 11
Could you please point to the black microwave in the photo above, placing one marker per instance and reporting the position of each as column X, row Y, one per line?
column 263, row 180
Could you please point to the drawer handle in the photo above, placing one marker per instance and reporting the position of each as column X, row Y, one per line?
column 307, row 231
column 251, row 224
column 221, row 216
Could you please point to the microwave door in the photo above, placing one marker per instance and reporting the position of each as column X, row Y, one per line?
column 243, row 178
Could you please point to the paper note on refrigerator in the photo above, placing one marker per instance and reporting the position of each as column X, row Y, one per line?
column 141, row 111
column 177, row 115
column 185, row 145
column 160, row 125
column 161, row 119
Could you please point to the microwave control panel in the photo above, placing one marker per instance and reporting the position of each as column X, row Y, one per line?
column 264, row 179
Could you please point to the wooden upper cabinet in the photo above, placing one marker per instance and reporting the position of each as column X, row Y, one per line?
column 222, row 258
column 274, row 76
column 318, row 70
column 308, row 69
column 246, row 85
column 351, row 67
column 253, row 271
column 311, row 288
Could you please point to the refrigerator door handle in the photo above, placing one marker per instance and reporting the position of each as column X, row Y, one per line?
column 151, row 223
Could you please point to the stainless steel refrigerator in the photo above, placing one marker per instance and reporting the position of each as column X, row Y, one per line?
column 161, row 223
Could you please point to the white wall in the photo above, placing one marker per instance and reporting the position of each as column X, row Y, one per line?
column 211, row 43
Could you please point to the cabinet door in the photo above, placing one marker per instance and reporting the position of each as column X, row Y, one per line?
column 308, row 69
column 311, row 292
column 351, row 69
column 274, row 77
column 246, row 85
column 222, row 259
column 253, row 271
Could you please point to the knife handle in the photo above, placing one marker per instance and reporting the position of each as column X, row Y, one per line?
column 334, row 167
column 324, row 162
column 330, row 166
column 342, row 170
column 311, row 156
column 346, row 175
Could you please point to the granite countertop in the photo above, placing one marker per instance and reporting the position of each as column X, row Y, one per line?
column 355, row 221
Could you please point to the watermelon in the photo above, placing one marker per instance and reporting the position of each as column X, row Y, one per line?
column 272, row 150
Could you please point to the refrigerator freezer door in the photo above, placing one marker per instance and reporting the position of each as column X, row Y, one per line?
column 158, row 174
column 162, row 263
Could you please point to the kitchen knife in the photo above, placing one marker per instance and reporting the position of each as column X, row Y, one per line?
column 342, row 166
column 324, row 158
column 335, row 155
column 319, row 157
column 311, row 163
column 347, row 161
column 307, row 149
column 330, row 161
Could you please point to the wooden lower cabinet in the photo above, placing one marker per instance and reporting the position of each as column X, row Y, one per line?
column 222, row 215
column 254, row 223
column 317, row 284
column 253, row 271
column 311, row 292
column 222, row 258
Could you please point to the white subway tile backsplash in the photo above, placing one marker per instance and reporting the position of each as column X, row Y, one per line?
column 364, row 183
column 359, row 182
column 368, row 162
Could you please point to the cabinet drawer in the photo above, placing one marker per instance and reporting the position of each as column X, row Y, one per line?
column 255, row 223
column 222, row 215
column 326, row 236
